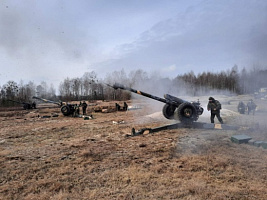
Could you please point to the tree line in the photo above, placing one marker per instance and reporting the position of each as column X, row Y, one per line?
column 90, row 87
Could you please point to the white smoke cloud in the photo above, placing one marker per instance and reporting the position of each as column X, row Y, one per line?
column 52, row 40
column 210, row 36
column 170, row 68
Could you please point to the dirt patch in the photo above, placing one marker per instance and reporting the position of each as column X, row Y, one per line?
column 72, row 158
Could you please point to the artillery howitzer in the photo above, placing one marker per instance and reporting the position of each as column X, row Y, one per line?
column 26, row 105
column 174, row 108
column 66, row 108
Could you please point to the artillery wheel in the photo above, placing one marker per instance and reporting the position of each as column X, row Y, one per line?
column 168, row 111
column 186, row 113
column 25, row 107
column 65, row 110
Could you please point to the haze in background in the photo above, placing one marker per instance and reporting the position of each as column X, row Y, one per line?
column 54, row 39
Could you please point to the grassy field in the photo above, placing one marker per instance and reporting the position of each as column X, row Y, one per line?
column 71, row 158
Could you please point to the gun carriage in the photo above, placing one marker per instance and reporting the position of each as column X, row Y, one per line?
column 25, row 105
column 65, row 108
column 174, row 108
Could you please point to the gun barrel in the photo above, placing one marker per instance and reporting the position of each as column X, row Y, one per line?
column 14, row 101
column 17, row 101
column 120, row 86
column 46, row 100
column 174, row 99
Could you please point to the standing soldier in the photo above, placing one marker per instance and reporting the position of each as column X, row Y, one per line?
column 251, row 106
column 118, row 107
column 214, row 106
column 125, row 106
column 241, row 107
column 76, row 112
column 84, row 106
column 34, row 105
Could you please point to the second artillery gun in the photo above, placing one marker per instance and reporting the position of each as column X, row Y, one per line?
column 25, row 105
column 174, row 108
column 66, row 108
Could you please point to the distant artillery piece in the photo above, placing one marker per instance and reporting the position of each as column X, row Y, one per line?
column 26, row 105
column 47, row 101
column 66, row 108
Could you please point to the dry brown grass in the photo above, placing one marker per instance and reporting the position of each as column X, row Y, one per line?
column 71, row 158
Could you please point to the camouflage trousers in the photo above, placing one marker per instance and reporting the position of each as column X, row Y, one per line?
column 212, row 116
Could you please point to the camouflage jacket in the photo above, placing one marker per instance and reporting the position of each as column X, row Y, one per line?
column 214, row 107
column 84, row 105
column 251, row 105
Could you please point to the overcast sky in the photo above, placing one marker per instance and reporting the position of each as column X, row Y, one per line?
column 54, row 39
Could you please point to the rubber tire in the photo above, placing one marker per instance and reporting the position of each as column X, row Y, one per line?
column 168, row 111
column 65, row 110
column 25, row 107
column 180, row 113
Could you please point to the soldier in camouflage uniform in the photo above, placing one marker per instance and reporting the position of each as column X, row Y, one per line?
column 251, row 107
column 76, row 112
column 84, row 106
column 241, row 107
column 214, row 106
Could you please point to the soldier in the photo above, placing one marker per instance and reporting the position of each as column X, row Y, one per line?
column 76, row 112
column 214, row 106
column 241, row 107
column 125, row 106
column 118, row 107
column 34, row 105
column 84, row 106
column 251, row 106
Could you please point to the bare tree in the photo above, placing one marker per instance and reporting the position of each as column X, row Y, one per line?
column 10, row 89
column 117, row 76
column 89, row 82
column 40, row 91
column 234, row 79
column 51, row 92
column 137, row 77
column 65, row 89
column 75, row 87
column 29, row 90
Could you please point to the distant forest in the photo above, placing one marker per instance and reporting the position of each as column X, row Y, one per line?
column 90, row 87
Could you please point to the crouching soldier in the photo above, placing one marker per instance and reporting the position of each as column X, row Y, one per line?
column 214, row 106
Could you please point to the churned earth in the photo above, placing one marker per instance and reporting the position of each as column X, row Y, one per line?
column 71, row 158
